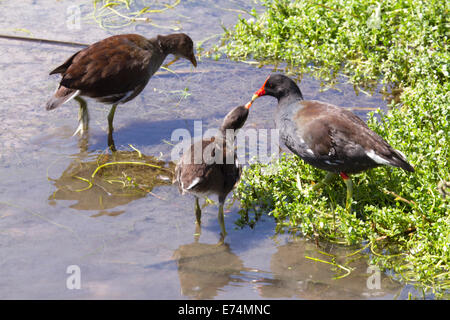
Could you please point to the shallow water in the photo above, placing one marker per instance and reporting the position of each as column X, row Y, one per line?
column 142, row 245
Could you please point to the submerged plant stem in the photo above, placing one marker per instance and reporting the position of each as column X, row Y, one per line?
column 124, row 162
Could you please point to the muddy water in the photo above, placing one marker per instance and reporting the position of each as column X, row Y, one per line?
column 130, row 233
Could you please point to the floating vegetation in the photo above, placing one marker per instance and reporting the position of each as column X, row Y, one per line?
column 120, row 13
column 111, row 180
column 346, row 269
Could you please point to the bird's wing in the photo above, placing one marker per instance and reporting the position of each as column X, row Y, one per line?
column 62, row 68
column 334, row 134
column 192, row 169
column 112, row 66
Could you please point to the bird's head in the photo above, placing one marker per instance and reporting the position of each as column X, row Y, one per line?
column 278, row 86
column 180, row 45
column 235, row 119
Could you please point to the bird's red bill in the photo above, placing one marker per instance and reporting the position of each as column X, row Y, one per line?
column 261, row 91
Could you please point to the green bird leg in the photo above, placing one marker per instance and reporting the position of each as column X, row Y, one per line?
column 83, row 116
column 198, row 218
column 221, row 219
column 111, row 144
column 198, row 212
column 349, row 184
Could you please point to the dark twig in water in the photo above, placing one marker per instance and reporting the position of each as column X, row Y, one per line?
column 56, row 42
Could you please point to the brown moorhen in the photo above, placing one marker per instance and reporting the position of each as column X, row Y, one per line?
column 215, row 169
column 115, row 70
column 326, row 136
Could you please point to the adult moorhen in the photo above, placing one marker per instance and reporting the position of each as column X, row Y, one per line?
column 326, row 136
column 210, row 166
column 115, row 70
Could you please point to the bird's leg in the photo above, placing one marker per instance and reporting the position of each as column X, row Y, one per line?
column 220, row 217
column 328, row 178
column 349, row 184
column 111, row 144
column 83, row 116
column 198, row 212
column 198, row 217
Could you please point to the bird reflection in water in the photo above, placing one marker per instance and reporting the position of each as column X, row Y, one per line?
column 204, row 269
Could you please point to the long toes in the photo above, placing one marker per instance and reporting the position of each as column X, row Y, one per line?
column 221, row 240
column 80, row 129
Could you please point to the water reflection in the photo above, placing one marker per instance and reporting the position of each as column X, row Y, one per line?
column 106, row 181
column 297, row 275
column 204, row 269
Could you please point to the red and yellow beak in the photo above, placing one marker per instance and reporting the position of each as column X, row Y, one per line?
column 248, row 105
column 261, row 91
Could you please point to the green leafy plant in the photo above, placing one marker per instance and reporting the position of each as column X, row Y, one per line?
column 403, row 218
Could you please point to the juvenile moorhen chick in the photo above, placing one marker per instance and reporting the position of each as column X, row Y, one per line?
column 210, row 166
column 115, row 70
column 326, row 136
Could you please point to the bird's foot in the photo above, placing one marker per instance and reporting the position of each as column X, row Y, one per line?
column 221, row 240
column 348, row 205
column 83, row 117
column 81, row 129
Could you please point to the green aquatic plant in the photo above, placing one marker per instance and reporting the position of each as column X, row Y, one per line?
column 394, row 41
column 104, row 181
column 120, row 13
column 403, row 45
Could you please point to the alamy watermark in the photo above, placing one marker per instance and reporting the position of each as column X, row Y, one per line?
column 73, row 17
column 262, row 145
column 74, row 280
column 374, row 280
column 374, row 21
